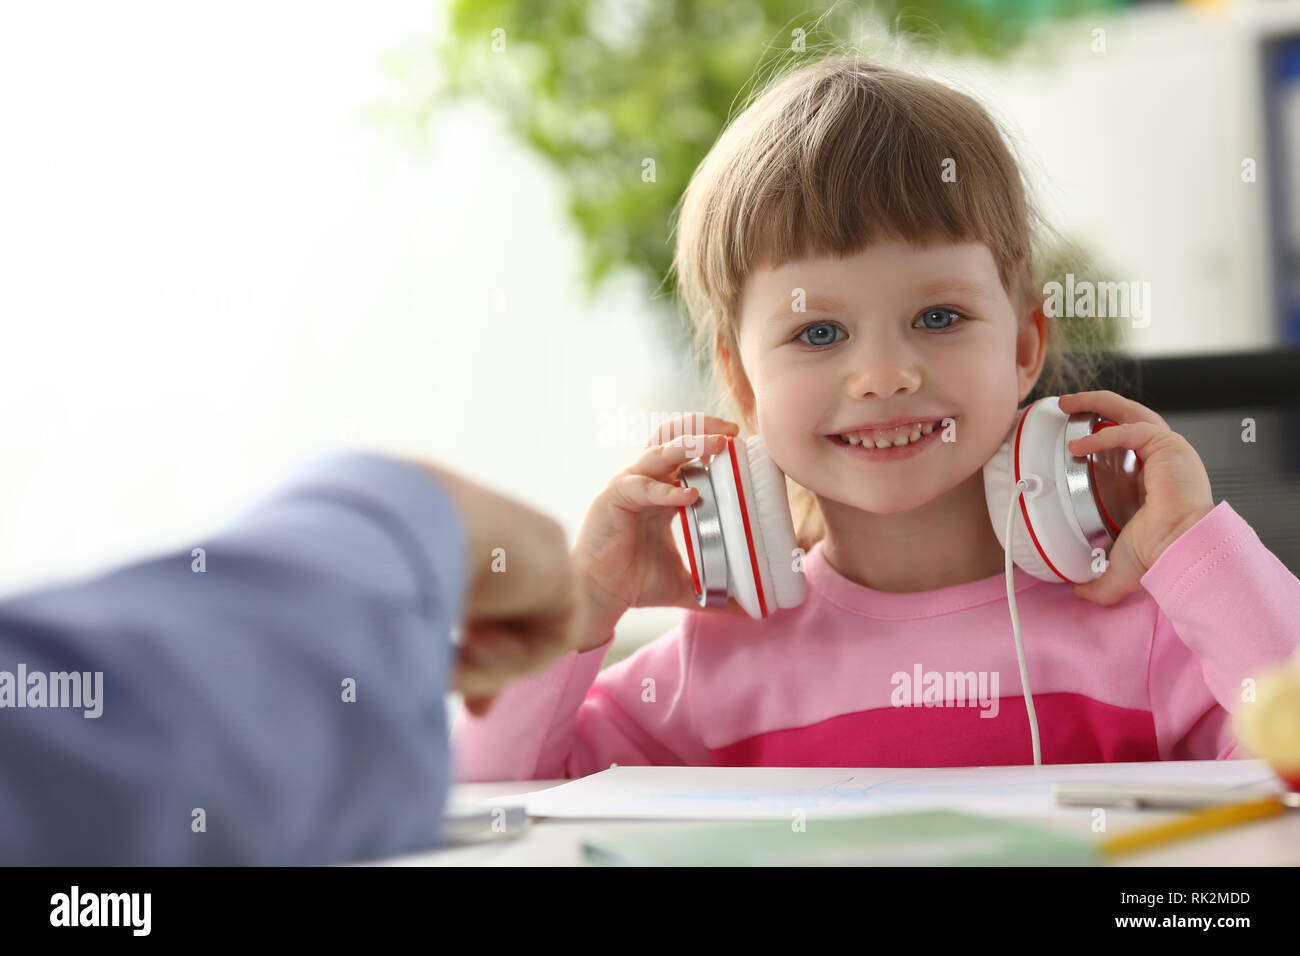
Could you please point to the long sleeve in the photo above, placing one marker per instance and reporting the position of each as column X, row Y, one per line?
column 275, row 698
column 1228, row 609
column 574, row 719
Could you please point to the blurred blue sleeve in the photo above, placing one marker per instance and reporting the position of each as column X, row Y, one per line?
column 227, row 732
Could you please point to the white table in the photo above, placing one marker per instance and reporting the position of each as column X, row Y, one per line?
column 557, row 842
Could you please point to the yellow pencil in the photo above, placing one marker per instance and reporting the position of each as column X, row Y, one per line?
column 1193, row 824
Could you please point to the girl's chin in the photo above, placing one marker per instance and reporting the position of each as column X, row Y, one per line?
column 946, row 491
column 874, row 504
column 893, row 507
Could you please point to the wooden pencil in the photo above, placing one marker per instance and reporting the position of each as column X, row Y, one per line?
column 1203, row 821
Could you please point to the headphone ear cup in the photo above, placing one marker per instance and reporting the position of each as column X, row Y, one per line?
column 999, row 485
column 770, row 506
column 741, row 536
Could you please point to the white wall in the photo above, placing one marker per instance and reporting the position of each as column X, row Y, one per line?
column 1137, row 150
column 213, row 267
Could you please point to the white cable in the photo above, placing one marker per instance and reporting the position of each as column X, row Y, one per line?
column 1021, row 485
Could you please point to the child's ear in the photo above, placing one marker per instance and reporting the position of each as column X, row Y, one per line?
column 737, row 381
column 1031, row 349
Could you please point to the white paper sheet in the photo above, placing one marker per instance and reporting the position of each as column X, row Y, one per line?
column 769, row 793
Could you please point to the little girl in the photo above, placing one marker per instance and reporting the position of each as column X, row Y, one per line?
column 855, row 252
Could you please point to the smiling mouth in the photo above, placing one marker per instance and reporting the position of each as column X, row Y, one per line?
column 897, row 437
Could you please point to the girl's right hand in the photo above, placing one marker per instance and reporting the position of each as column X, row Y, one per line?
column 625, row 553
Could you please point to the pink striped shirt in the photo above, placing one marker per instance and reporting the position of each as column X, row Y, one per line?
column 855, row 677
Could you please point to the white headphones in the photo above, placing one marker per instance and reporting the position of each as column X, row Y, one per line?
column 739, row 534
column 740, row 538
column 1072, row 506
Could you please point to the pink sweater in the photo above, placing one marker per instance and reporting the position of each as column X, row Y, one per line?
column 860, row 678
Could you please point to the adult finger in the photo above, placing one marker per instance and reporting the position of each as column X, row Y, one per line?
column 496, row 653
column 479, row 706
column 485, row 662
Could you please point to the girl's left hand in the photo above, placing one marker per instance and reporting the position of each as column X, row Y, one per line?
column 1176, row 485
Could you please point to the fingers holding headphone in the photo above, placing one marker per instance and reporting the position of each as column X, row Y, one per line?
column 651, row 480
column 1123, row 573
column 692, row 423
column 635, row 493
column 1175, row 495
column 661, row 461
column 1110, row 405
column 1136, row 436
column 625, row 552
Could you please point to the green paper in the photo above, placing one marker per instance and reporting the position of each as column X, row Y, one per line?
column 926, row 838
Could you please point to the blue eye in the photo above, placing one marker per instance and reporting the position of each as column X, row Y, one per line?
column 941, row 313
column 822, row 328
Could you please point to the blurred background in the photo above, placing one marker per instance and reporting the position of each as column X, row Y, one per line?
column 236, row 235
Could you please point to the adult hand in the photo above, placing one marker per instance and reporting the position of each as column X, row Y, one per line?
column 522, row 611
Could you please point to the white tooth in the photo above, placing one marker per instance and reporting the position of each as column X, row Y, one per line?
column 854, row 441
column 881, row 443
column 927, row 428
column 900, row 441
column 915, row 436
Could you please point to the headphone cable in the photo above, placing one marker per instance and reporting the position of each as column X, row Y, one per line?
column 1021, row 485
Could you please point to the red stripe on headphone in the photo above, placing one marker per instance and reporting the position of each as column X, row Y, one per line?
column 1024, row 510
column 749, row 535
column 690, row 548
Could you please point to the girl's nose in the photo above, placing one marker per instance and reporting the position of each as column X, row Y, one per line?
column 882, row 370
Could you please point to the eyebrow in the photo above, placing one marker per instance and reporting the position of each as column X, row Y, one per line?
column 959, row 286
column 816, row 303
column 936, row 287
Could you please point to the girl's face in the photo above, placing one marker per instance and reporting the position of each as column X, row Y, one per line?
column 893, row 332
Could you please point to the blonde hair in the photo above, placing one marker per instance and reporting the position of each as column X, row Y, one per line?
column 826, row 160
